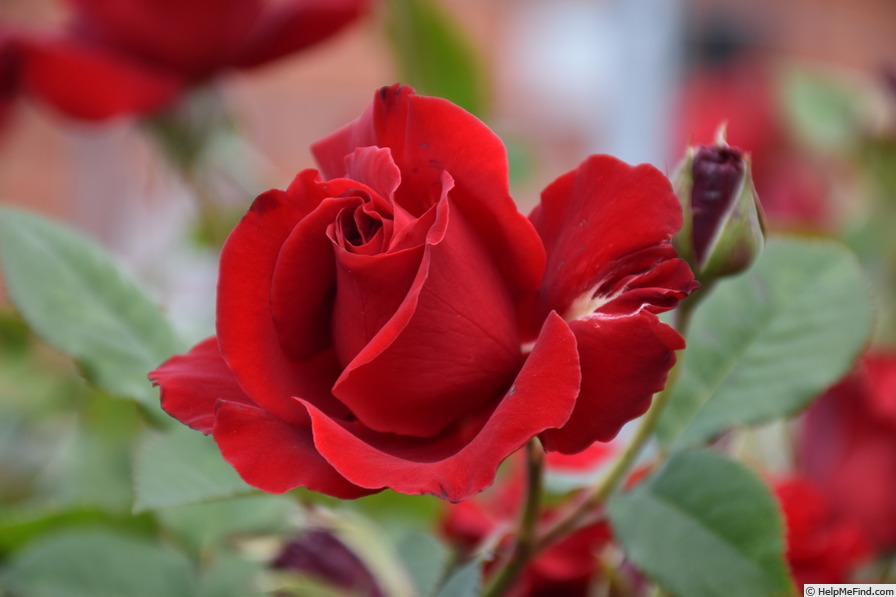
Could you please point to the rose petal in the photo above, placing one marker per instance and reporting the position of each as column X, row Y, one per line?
column 246, row 332
column 85, row 83
column 429, row 136
column 274, row 456
column 451, row 348
column 624, row 361
column 602, row 223
column 370, row 290
column 454, row 466
column 290, row 26
column 656, row 289
column 374, row 167
column 193, row 383
column 303, row 282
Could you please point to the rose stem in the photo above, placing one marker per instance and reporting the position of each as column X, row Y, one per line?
column 525, row 546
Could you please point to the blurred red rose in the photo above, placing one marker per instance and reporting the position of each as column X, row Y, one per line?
column 135, row 56
column 568, row 567
column 848, row 446
column 394, row 321
column 822, row 547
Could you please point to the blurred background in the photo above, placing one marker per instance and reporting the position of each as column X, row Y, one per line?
column 559, row 80
column 801, row 84
column 807, row 86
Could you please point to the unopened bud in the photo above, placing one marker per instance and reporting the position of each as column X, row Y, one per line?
column 723, row 229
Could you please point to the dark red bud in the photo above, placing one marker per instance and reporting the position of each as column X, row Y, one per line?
column 320, row 554
column 717, row 173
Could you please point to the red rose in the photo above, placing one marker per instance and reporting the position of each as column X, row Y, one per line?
column 394, row 321
column 849, row 446
column 135, row 56
column 822, row 547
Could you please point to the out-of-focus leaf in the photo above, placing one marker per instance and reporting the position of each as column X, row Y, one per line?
column 99, row 563
column 466, row 581
column 180, row 467
column 203, row 527
column 397, row 509
column 424, row 558
column 230, row 575
column 433, row 54
column 93, row 462
column 704, row 526
column 823, row 110
column 764, row 344
column 18, row 527
column 76, row 298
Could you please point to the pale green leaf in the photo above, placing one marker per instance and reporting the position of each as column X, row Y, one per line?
column 181, row 467
column 99, row 563
column 76, row 298
column 764, row 344
column 704, row 526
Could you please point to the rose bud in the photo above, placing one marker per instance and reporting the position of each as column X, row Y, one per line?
column 321, row 555
column 723, row 228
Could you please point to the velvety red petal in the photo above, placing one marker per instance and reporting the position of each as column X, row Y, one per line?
column 90, row 84
column 451, row 348
column 601, row 224
column 455, row 466
column 274, row 456
column 375, row 168
column 246, row 330
column 624, row 361
column 290, row 26
column 429, row 136
column 656, row 289
column 192, row 39
column 193, row 383
column 303, row 282
column 370, row 289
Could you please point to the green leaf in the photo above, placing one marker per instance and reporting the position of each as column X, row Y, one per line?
column 231, row 575
column 181, row 467
column 206, row 526
column 425, row 559
column 99, row 563
column 75, row 297
column 433, row 54
column 704, row 526
column 465, row 581
column 764, row 344
column 825, row 112
column 20, row 526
